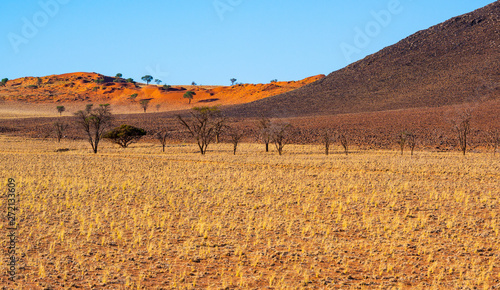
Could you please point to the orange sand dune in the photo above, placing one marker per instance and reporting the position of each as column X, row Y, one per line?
column 81, row 87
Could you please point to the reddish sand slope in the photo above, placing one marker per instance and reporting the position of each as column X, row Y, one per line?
column 97, row 88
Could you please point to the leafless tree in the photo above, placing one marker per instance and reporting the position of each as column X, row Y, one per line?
column 280, row 135
column 493, row 137
column 94, row 121
column 401, row 139
column 60, row 127
column 219, row 125
column 327, row 139
column 344, row 142
column 412, row 141
column 202, row 125
column 162, row 136
column 264, row 125
column 461, row 126
column 235, row 136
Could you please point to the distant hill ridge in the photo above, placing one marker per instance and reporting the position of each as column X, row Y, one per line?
column 457, row 61
column 97, row 88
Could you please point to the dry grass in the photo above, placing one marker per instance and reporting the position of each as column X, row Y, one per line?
column 136, row 218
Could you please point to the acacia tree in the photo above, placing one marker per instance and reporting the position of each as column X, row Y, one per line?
column 412, row 141
column 125, row 135
column 219, row 125
column 201, row 126
column 144, row 104
column 461, row 126
column 94, row 121
column 264, row 125
column 327, row 139
column 60, row 109
column 157, row 81
column 280, row 135
column 235, row 136
column 162, row 136
column 60, row 127
column 344, row 142
column 402, row 140
column 189, row 95
column 233, row 80
column 147, row 79
column 493, row 137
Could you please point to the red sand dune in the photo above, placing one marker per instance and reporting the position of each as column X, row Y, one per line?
column 83, row 87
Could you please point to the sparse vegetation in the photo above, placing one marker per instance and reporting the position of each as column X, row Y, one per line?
column 167, row 87
column 254, row 221
column 264, row 126
column 280, row 135
column 147, row 79
column 158, row 82
column 202, row 125
column 60, row 109
column 60, row 127
column 461, row 126
column 125, row 135
column 327, row 139
column 344, row 141
column 4, row 82
column 94, row 122
column 235, row 136
column 119, row 75
column 133, row 96
column 189, row 95
column 233, row 80
column 162, row 136
column 144, row 104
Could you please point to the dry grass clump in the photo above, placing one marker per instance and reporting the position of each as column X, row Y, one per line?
column 136, row 218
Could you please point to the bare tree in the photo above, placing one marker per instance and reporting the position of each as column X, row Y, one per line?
column 60, row 127
column 461, row 126
column 344, row 142
column 264, row 125
column 280, row 135
column 412, row 141
column 144, row 104
column 493, row 137
column 94, row 121
column 219, row 126
column 327, row 139
column 235, row 135
column 162, row 136
column 402, row 140
column 202, row 125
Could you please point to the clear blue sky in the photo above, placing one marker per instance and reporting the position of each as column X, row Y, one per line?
column 207, row 41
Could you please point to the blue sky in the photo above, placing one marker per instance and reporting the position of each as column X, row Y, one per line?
column 207, row 41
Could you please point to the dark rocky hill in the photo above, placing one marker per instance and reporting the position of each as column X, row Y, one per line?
column 454, row 62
